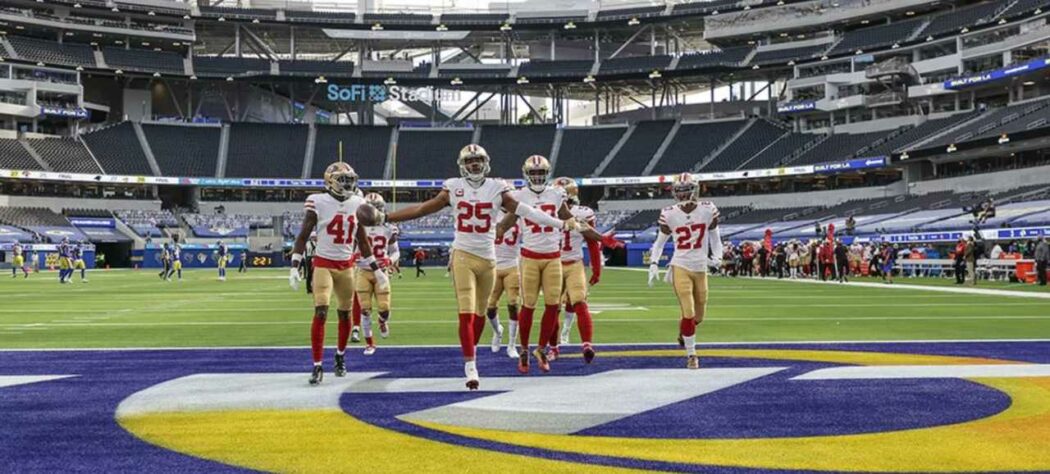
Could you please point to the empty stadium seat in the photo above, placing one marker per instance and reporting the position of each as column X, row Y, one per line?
column 143, row 60
column 15, row 157
column 639, row 148
column 583, row 149
column 184, row 150
column 752, row 141
column 65, row 154
column 229, row 66
column 956, row 20
column 430, row 153
column 729, row 57
column 693, row 142
column 509, row 146
column 51, row 52
column 317, row 68
column 785, row 55
column 266, row 150
column 876, row 36
column 365, row 148
column 118, row 150
column 838, row 147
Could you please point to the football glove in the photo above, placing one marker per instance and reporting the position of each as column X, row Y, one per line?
column 654, row 273
column 294, row 278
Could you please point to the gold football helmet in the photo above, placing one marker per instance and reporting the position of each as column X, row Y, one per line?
column 571, row 190
column 473, row 163
column 685, row 188
column 340, row 179
column 376, row 200
column 537, row 171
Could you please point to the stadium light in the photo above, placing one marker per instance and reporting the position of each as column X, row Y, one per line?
column 156, row 74
column 904, row 155
column 40, row 63
column 895, row 46
column 151, row 13
column 755, row 67
column 747, row 7
column 255, row 20
column 1028, row 83
column 791, row 63
column 320, row 80
column 859, row 51
column 589, row 79
column 655, row 74
column 633, row 21
column 69, row 33
column 193, row 77
column 909, row 13
column 964, row 30
column 1002, row 21
column 456, row 81
column 119, row 71
column 570, row 26
column 1038, row 11
column 714, row 12
column 77, row 5
column 114, row 9
column 441, row 27
column 505, row 27
column 229, row 78
column 824, row 58
column 390, row 81
column 951, row 148
column 865, row 22
column 222, row 18
column 523, row 80
column 185, row 17
column 929, row 38
column 377, row 27
column 1004, row 139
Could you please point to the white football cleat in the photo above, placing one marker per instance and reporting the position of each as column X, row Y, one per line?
column 473, row 379
column 565, row 332
column 512, row 352
column 497, row 338
column 370, row 350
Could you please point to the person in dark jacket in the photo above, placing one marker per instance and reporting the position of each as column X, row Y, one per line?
column 1042, row 259
column 841, row 261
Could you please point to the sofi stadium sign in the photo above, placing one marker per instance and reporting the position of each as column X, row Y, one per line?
column 382, row 93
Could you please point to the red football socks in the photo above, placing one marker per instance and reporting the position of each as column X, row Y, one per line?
column 317, row 339
column 687, row 327
column 525, row 325
column 584, row 322
column 479, row 328
column 549, row 323
column 466, row 334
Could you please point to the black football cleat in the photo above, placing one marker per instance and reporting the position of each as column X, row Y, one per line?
column 317, row 375
column 340, row 365
column 588, row 353
column 681, row 341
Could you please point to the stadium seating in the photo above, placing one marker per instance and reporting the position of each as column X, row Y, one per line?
column 626, row 13
column 953, row 21
column 752, row 141
column 785, row 55
column 640, row 221
column 27, row 217
column 316, row 68
column 50, row 52
column 365, row 148
column 778, row 151
column 184, row 150
column 118, row 150
column 583, row 149
column 493, row 71
column 639, row 148
column 916, row 133
column 234, row 13
column 729, row 57
column 988, row 124
column 605, row 220
column 65, row 154
column 876, row 36
column 266, row 150
column 1022, row 7
column 76, row 212
column 634, row 64
column 424, row 153
column 225, row 225
column 143, row 60
column 398, row 18
column 542, row 68
column 509, row 146
column 14, row 156
column 694, row 142
column 147, row 223
column 304, row 16
column 229, row 66
column 473, row 18
column 837, row 147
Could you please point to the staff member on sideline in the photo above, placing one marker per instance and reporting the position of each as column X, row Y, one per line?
column 1042, row 259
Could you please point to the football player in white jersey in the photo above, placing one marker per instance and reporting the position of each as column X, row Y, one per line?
column 694, row 226
column 574, row 277
column 475, row 200
column 540, row 265
column 340, row 217
column 507, row 281
column 381, row 238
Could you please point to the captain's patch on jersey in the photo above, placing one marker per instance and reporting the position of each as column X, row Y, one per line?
column 915, row 407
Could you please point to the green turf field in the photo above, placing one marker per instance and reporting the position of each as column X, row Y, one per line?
column 135, row 309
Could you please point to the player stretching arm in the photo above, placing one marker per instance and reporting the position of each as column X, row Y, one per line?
column 340, row 217
column 475, row 199
column 694, row 224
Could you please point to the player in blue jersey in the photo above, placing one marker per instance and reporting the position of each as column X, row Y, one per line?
column 18, row 261
column 65, row 263
column 223, row 254
column 78, row 262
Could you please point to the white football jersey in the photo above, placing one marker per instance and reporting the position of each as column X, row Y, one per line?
column 336, row 225
column 536, row 237
column 474, row 210
column 573, row 241
column 382, row 238
column 508, row 247
column 689, row 233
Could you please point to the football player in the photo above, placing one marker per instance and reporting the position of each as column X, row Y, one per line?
column 507, row 281
column 165, row 261
column 694, row 224
column 65, row 264
column 19, row 261
column 540, row 256
column 223, row 254
column 340, row 217
column 574, row 278
column 176, row 259
column 78, row 262
column 475, row 199
column 381, row 238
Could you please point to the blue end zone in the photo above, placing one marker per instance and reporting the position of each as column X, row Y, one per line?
column 69, row 424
